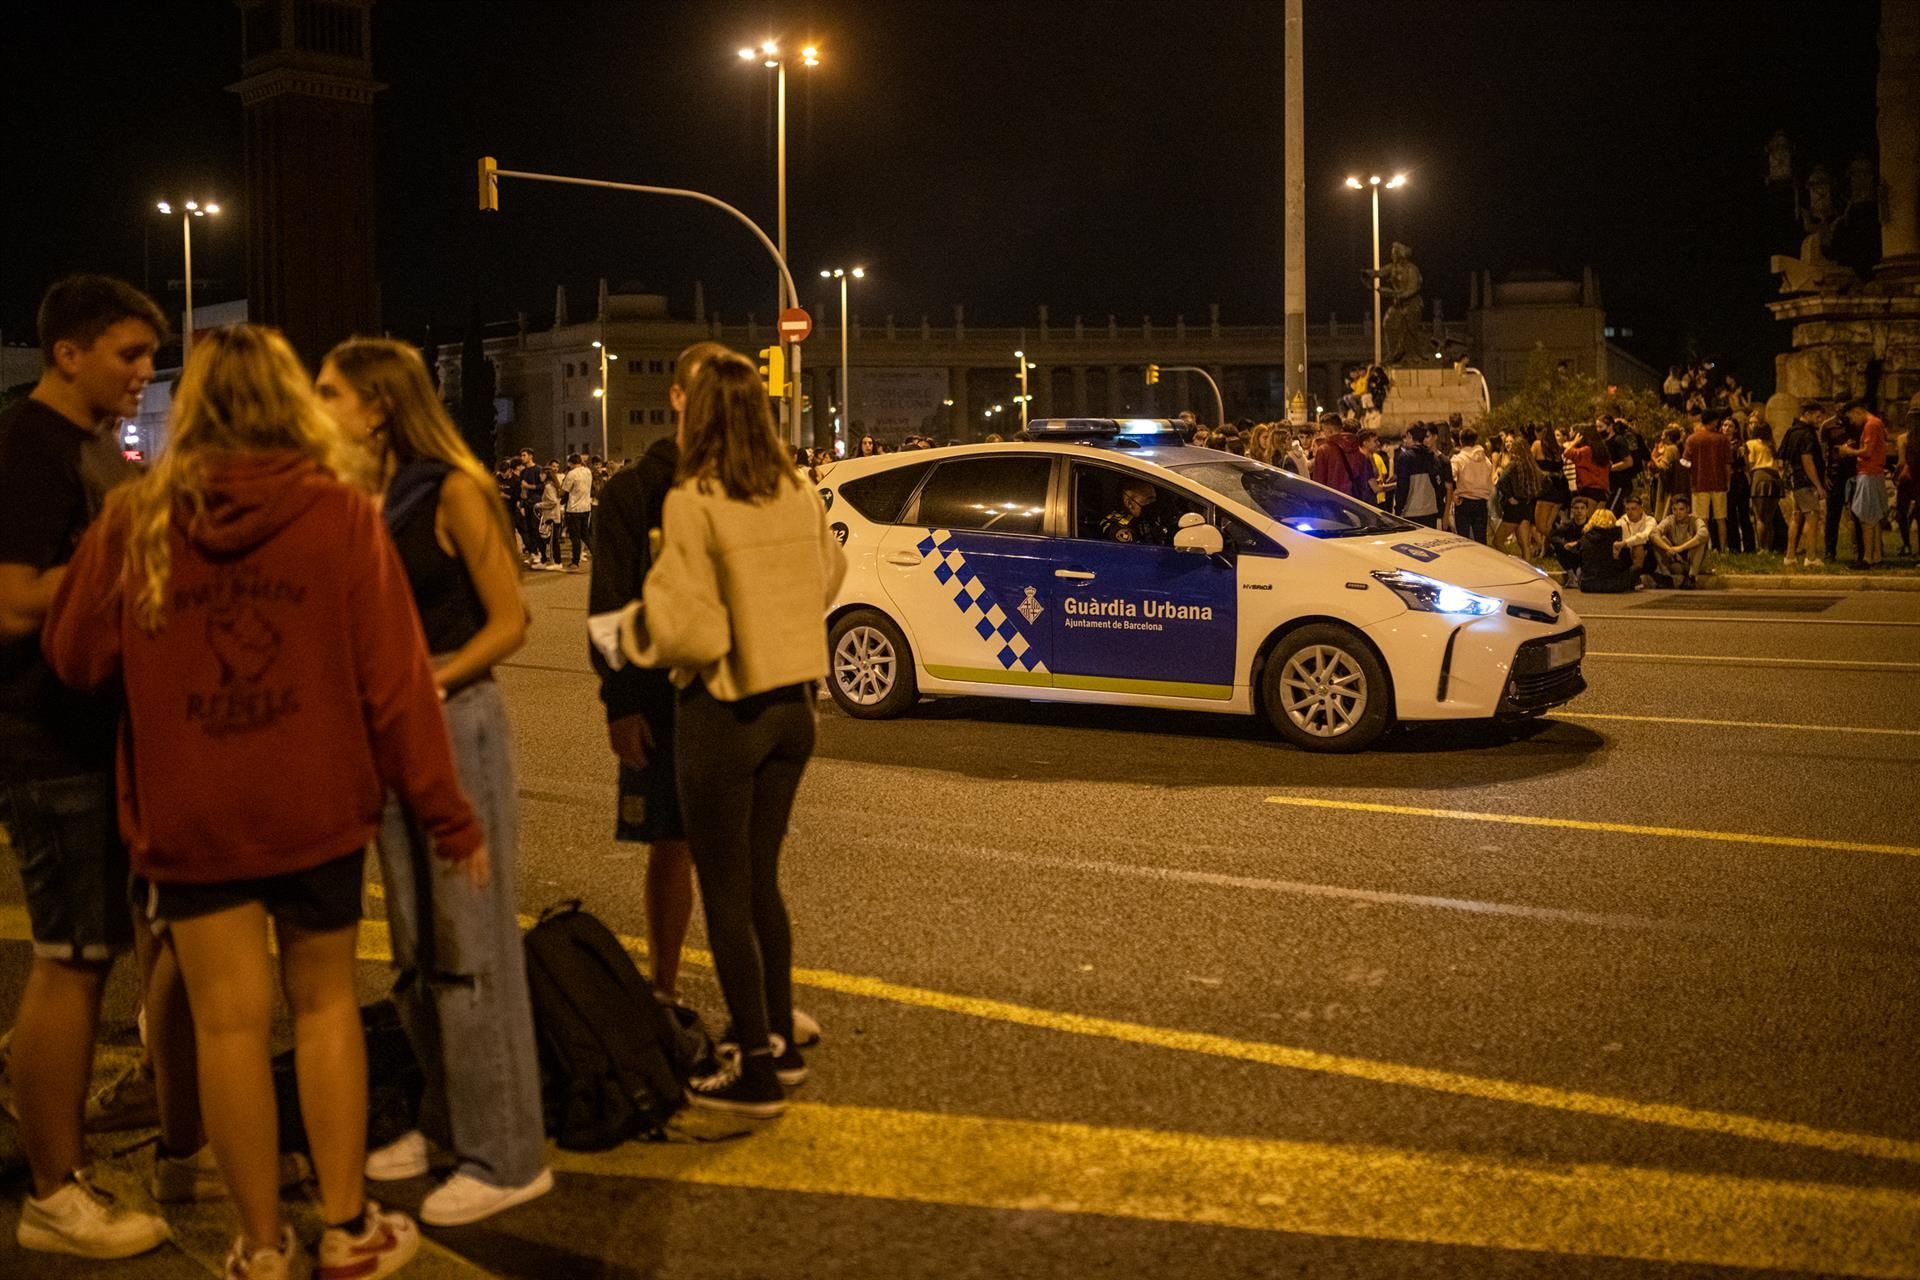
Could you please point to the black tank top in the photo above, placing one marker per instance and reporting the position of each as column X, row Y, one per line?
column 443, row 591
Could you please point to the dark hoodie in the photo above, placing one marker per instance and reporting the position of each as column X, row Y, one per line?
column 1342, row 464
column 286, row 693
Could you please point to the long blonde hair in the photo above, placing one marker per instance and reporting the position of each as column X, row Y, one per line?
column 729, row 437
column 393, row 375
column 243, row 391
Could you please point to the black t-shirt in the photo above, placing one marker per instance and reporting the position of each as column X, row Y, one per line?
column 530, row 484
column 58, row 475
column 1840, row 467
column 623, row 528
column 1800, row 442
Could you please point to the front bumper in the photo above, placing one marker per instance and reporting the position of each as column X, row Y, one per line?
column 1535, row 683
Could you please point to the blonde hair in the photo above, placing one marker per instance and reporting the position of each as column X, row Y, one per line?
column 729, row 438
column 243, row 391
column 393, row 376
column 1601, row 519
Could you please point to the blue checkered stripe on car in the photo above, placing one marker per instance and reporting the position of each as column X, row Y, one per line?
column 996, row 629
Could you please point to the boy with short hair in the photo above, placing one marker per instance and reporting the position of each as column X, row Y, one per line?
column 60, row 450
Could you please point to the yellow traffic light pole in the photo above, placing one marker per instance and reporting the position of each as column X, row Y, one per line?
column 1219, row 405
column 490, row 174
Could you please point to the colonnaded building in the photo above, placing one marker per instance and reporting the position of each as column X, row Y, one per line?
column 958, row 381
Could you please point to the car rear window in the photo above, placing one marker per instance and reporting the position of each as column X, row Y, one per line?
column 880, row 496
column 996, row 494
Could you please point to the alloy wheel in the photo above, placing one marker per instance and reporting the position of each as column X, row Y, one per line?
column 1323, row 690
column 864, row 666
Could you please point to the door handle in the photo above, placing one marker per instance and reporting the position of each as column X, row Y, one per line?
column 1078, row 575
column 905, row 559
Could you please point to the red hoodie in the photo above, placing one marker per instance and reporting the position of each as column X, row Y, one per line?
column 1342, row 464
column 287, row 692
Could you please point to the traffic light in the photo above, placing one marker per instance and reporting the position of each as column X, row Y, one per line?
column 489, row 185
column 773, row 370
column 1153, row 374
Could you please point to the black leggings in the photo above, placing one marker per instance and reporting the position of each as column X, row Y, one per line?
column 739, row 765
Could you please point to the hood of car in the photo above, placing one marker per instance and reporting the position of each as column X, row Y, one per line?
column 1444, row 557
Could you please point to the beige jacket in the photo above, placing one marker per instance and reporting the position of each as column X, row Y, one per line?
column 739, row 593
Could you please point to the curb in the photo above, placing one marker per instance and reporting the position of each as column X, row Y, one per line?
column 1794, row 582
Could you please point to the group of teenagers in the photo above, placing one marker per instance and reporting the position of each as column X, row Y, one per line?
column 226, row 677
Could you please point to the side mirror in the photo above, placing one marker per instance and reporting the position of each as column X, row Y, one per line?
column 1195, row 534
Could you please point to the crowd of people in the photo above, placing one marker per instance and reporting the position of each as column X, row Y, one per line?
column 318, row 569
column 1615, row 510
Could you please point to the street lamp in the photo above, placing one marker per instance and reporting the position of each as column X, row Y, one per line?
column 1023, row 364
column 188, row 212
column 1374, row 184
column 600, row 393
column 768, row 52
column 842, row 274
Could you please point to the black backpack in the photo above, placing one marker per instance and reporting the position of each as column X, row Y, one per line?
column 395, row 1083
column 614, row 1061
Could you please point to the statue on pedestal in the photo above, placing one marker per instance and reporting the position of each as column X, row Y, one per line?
column 1400, row 281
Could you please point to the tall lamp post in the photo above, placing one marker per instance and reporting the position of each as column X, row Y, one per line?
column 768, row 52
column 1021, row 362
column 1374, row 184
column 844, row 274
column 602, row 393
column 188, row 212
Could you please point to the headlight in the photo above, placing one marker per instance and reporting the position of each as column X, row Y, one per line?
column 1423, row 593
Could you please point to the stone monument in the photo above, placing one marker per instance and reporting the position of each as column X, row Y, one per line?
column 1400, row 282
column 1856, row 336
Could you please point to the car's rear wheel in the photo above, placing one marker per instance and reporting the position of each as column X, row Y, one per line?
column 871, row 674
column 1324, row 690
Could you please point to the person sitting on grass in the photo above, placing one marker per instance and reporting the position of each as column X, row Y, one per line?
column 1604, row 563
column 1680, row 546
column 1563, row 544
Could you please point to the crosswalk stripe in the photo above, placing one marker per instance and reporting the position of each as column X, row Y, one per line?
column 1373, row 1193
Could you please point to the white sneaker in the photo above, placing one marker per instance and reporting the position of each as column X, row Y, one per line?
column 388, row 1243
column 82, row 1220
column 261, row 1264
column 806, row 1031
column 181, row 1179
column 462, row 1199
column 404, row 1157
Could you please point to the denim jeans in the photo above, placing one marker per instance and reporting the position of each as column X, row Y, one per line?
column 462, row 980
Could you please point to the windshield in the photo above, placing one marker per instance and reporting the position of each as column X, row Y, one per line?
column 1298, row 504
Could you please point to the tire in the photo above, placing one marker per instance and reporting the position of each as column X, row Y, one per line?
column 1324, row 690
column 870, row 666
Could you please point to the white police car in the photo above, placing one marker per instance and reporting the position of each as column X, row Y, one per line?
column 1104, row 561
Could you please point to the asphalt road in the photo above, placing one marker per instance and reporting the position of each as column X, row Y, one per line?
column 1111, row 992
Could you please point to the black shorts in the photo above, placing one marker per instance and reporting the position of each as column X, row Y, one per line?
column 320, row 899
column 650, row 796
column 65, row 833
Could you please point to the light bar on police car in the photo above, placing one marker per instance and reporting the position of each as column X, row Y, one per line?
column 1430, row 596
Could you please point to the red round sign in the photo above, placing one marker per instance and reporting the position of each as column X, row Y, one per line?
column 795, row 324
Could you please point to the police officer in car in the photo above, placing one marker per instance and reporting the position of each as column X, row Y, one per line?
column 1140, row 517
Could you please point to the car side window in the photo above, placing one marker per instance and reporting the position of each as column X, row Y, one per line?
column 1110, row 505
column 880, row 496
column 994, row 494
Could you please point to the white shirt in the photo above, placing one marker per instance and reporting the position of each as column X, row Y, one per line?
column 1472, row 474
column 1634, row 533
column 579, row 488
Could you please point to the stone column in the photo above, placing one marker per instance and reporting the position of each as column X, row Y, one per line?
column 1113, row 406
column 1079, row 391
column 1899, row 138
column 957, row 416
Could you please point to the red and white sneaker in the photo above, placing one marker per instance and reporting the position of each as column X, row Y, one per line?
column 389, row 1243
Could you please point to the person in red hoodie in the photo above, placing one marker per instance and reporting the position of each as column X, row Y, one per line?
column 1341, row 464
column 277, row 686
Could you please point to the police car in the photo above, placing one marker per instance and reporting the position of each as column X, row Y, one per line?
column 1107, row 561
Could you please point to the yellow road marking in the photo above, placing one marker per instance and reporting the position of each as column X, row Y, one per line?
column 1319, row 1189
column 1737, row 724
column 1581, row 824
column 1842, row 663
column 1373, row 1070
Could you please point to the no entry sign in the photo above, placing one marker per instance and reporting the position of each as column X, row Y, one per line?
column 795, row 324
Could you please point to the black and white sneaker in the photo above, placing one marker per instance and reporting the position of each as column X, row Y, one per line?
column 745, row 1086
column 788, row 1065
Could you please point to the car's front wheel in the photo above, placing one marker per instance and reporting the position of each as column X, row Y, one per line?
column 1324, row 690
column 871, row 674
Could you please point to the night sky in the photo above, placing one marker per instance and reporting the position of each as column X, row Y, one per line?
column 1120, row 156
